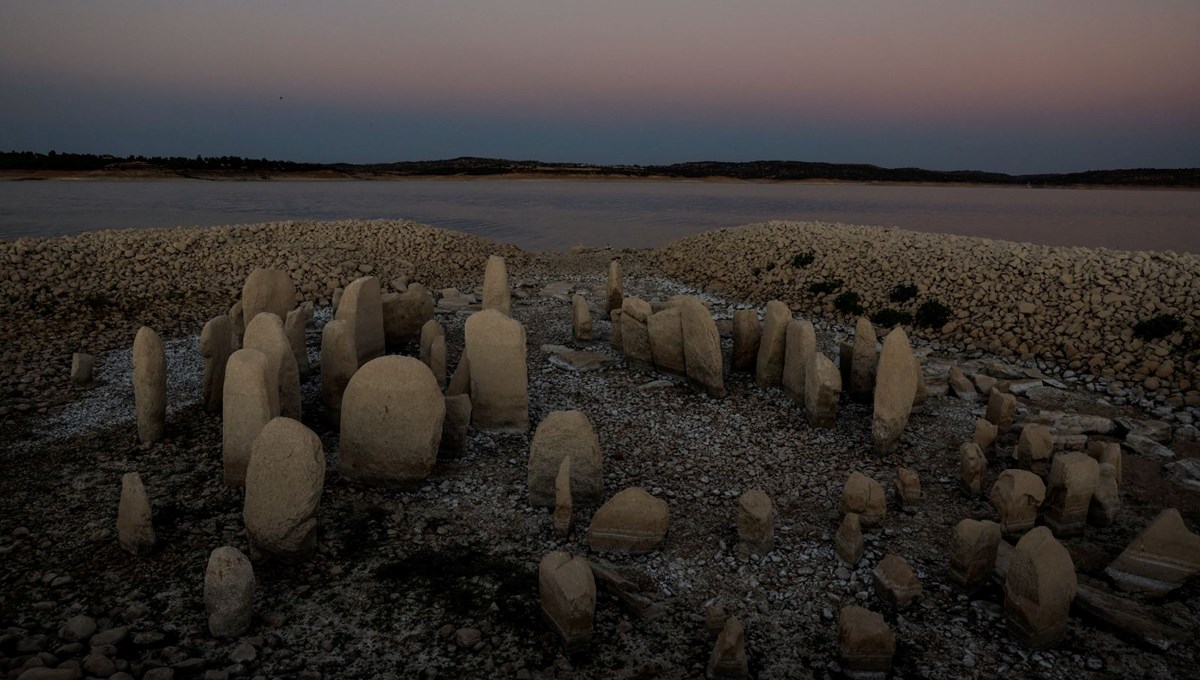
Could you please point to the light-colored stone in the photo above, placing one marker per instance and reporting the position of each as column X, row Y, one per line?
column 800, row 344
column 756, row 523
column 460, row 380
column 265, row 334
column 295, row 327
column 865, row 361
column 865, row 643
column 495, row 286
column 283, row 490
column 578, row 362
column 1107, row 452
column 665, row 330
column 455, row 425
column 267, row 290
column 1069, row 489
column 1038, row 589
column 563, row 503
column 339, row 361
column 895, row 389
column 848, row 541
column 150, row 385
column 405, row 313
column 864, row 496
column 973, row 553
column 216, row 344
column 635, row 337
column 135, row 523
column 614, row 293
column 1106, row 499
column 250, row 399
column 701, row 347
column 985, row 435
column 961, row 386
column 568, row 597
column 728, row 658
column 822, row 390
column 1017, row 495
column 1159, row 559
column 1000, row 410
column 1148, row 447
column 82, row 366
column 581, row 319
column 747, row 333
column 392, row 414
column 229, row 585
column 632, row 521
column 495, row 346
column 971, row 467
column 1034, row 448
column 238, row 320
column 565, row 434
column 362, row 308
column 772, row 345
column 908, row 489
column 895, row 581
column 437, row 360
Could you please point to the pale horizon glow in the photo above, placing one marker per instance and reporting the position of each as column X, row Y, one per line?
column 1014, row 86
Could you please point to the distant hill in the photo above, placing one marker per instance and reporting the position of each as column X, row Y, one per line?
column 235, row 167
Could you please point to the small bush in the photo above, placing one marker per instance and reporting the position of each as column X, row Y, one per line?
column 848, row 302
column 891, row 317
column 824, row 287
column 903, row 292
column 803, row 259
column 1158, row 327
column 932, row 314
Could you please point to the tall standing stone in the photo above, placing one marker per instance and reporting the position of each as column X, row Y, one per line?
column 265, row 334
column 135, row 524
column 267, row 290
column 973, row 553
column 799, row 347
column 295, row 327
column 822, row 390
column 702, row 348
column 728, row 658
column 562, row 435
column 564, row 504
column 1000, row 410
column 495, row 286
column 614, row 293
column 614, row 339
column 1017, row 495
column 768, row 370
column 82, row 366
column 216, row 344
column 1073, row 479
column 392, row 413
column 229, row 592
column 238, row 320
column 756, row 523
column 283, row 490
column 339, row 361
column 432, row 329
column 1106, row 499
column 895, row 389
column 864, row 496
column 865, row 642
column 635, row 337
column 495, row 346
column 971, row 466
column 848, row 541
column 249, row 401
column 665, row 330
column 405, row 313
column 862, row 368
column 150, row 385
column 581, row 319
column 1038, row 589
column 362, row 308
column 1159, row 559
column 568, row 597
column 747, row 332
column 908, row 489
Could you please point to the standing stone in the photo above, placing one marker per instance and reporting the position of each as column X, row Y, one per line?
column 432, row 329
column 405, row 313
column 971, row 466
column 985, row 435
column 864, row 496
column 216, row 344
column 1107, row 452
column 728, row 658
column 919, row 380
column 895, row 389
column 865, row 643
column 822, row 390
column 362, row 308
column 265, row 334
column 1034, row 448
column 614, row 292
column 768, row 370
column 632, row 521
column 845, row 361
column 581, row 319
column 150, row 385
column 135, row 524
column 1038, row 589
column 563, row 504
column 454, row 427
column 973, row 553
column 1106, row 499
column 665, row 330
column 495, row 286
column 702, row 348
column 799, row 347
column 283, row 490
column 339, row 361
column 460, row 380
column 437, row 360
column 1160, row 559
column 848, row 542
column 336, row 301
column 615, row 340
column 495, row 346
column 895, row 581
column 568, row 594
column 756, row 523
column 1073, row 479
column 267, row 290
column 82, row 366
column 747, row 333
column 1017, row 494
column 862, row 368
column 565, row 434
column 238, row 320
column 1000, row 410
column 392, row 413
column 250, row 400
column 229, row 592
column 294, row 327
column 635, row 337
column 908, row 489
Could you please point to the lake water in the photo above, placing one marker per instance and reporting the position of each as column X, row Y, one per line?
column 558, row 214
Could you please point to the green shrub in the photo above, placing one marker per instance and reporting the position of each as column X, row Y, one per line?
column 848, row 302
column 803, row 259
column 932, row 314
column 891, row 317
column 1158, row 327
column 903, row 292
column 824, row 287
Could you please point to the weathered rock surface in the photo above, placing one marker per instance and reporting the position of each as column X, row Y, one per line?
column 284, row 482
column 985, row 435
column 908, row 489
column 265, row 334
column 216, row 344
column 895, row 581
column 1017, row 495
column 455, row 426
column 495, row 286
column 1106, row 499
column 701, row 347
column 864, row 362
column 728, row 658
column 568, row 597
column 1038, row 589
column 631, row 521
column 864, row 496
column 135, row 524
column 971, row 468
column 635, row 338
column 564, row 505
column 565, row 434
column 267, row 290
column 800, row 344
column 294, row 327
column 865, row 642
column 756, row 523
column 1000, row 410
column 973, row 547
column 772, row 345
column 1159, row 559
column 665, row 330
column 848, row 542
column 1107, row 452
column 747, row 332
column 229, row 586
column 581, row 319
column 82, row 367
column 150, row 385
column 822, row 390
column 895, row 389
column 405, row 313
column 362, row 308
column 613, row 289
column 1069, row 489
column 250, row 399
column 1034, row 448
column 339, row 362
column 495, row 347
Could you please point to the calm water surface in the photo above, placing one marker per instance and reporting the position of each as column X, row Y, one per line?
column 558, row 214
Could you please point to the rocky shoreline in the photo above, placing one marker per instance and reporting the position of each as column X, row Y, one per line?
column 442, row 580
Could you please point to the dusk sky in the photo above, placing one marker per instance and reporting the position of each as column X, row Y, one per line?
column 1006, row 85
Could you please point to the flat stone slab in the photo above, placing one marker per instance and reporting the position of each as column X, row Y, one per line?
column 581, row 361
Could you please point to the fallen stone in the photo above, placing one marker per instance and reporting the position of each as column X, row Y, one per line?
column 632, row 521
column 961, row 386
column 229, row 592
column 1154, row 430
column 581, row 361
column 1129, row 617
column 1159, row 559
column 1148, row 447
column 1185, row 473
